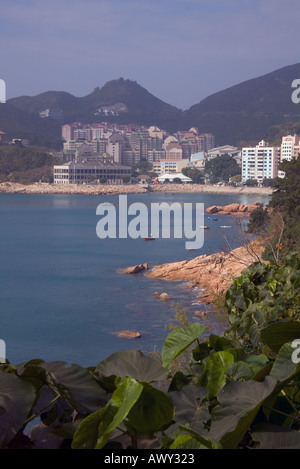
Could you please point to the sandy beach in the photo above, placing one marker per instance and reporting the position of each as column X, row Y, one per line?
column 43, row 188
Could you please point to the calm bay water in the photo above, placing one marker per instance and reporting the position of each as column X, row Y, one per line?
column 62, row 295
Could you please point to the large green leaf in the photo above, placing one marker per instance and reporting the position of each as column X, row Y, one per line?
column 277, row 334
column 239, row 404
column 284, row 367
column 96, row 429
column 74, row 383
column 185, row 441
column 86, row 436
column 153, row 410
column 131, row 363
column 16, row 399
column 204, row 439
column 178, row 341
column 276, row 437
column 214, row 376
column 190, row 406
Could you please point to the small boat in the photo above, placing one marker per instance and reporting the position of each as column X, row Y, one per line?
column 225, row 226
column 204, row 227
column 149, row 239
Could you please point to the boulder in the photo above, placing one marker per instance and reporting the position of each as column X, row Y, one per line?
column 128, row 334
column 199, row 313
column 213, row 209
column 135, row 269
column 164, row 297
column 232, row 209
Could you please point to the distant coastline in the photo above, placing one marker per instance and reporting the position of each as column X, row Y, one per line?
column 43, row 188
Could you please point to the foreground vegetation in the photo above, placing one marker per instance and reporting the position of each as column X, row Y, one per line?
column 239, row 390
column 24, row 165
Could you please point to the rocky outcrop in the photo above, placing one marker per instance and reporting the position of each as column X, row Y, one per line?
column 232, row 209
column 162, row 296
column 135, row 269
column 128, row 334
column 212, row 273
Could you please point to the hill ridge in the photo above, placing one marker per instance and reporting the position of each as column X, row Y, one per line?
column 242, row 112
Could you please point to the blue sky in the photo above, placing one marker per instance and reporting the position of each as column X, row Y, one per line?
column 179, row 50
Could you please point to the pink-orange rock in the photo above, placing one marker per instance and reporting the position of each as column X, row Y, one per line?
column 232, row 209
column 213, row 273
column 135, row 269
column 128, row 334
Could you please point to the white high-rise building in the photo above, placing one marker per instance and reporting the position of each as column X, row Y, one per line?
column 260, row 162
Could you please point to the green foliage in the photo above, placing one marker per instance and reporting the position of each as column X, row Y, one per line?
column 222, row 168
column 194, row 173
column 258, row 221
column 239, row 390
column 24, row 165
column 285, row 201
column 263, row 294
column 178, row 340
column 251, row 183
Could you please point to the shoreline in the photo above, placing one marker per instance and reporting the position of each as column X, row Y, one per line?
column 213, row 273
column 69, row 189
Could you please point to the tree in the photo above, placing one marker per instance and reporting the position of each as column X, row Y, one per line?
column 286, row 202
column 196, row 176
column 251, row 183
column 221, row 168
column 236, row 179
column 268, row 182
column 258, row 221
column 177, row 181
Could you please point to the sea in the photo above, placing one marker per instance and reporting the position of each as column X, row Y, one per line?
column 63, row 294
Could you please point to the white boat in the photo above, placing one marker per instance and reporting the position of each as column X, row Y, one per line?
column 225, row 226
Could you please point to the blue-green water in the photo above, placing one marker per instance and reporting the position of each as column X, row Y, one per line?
column 62, row 295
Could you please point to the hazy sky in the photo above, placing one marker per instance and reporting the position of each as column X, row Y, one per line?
column 179, row 50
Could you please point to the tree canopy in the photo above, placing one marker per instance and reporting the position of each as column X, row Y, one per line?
column 196, row 176
column 221, row 168
column 286, row 202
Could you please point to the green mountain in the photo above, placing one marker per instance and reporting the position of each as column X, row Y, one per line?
column 248, row 112
column 122, row 101
column 18, row 123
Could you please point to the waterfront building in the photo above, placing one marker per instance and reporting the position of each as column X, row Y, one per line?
column 91, row 171
column 260, row 162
